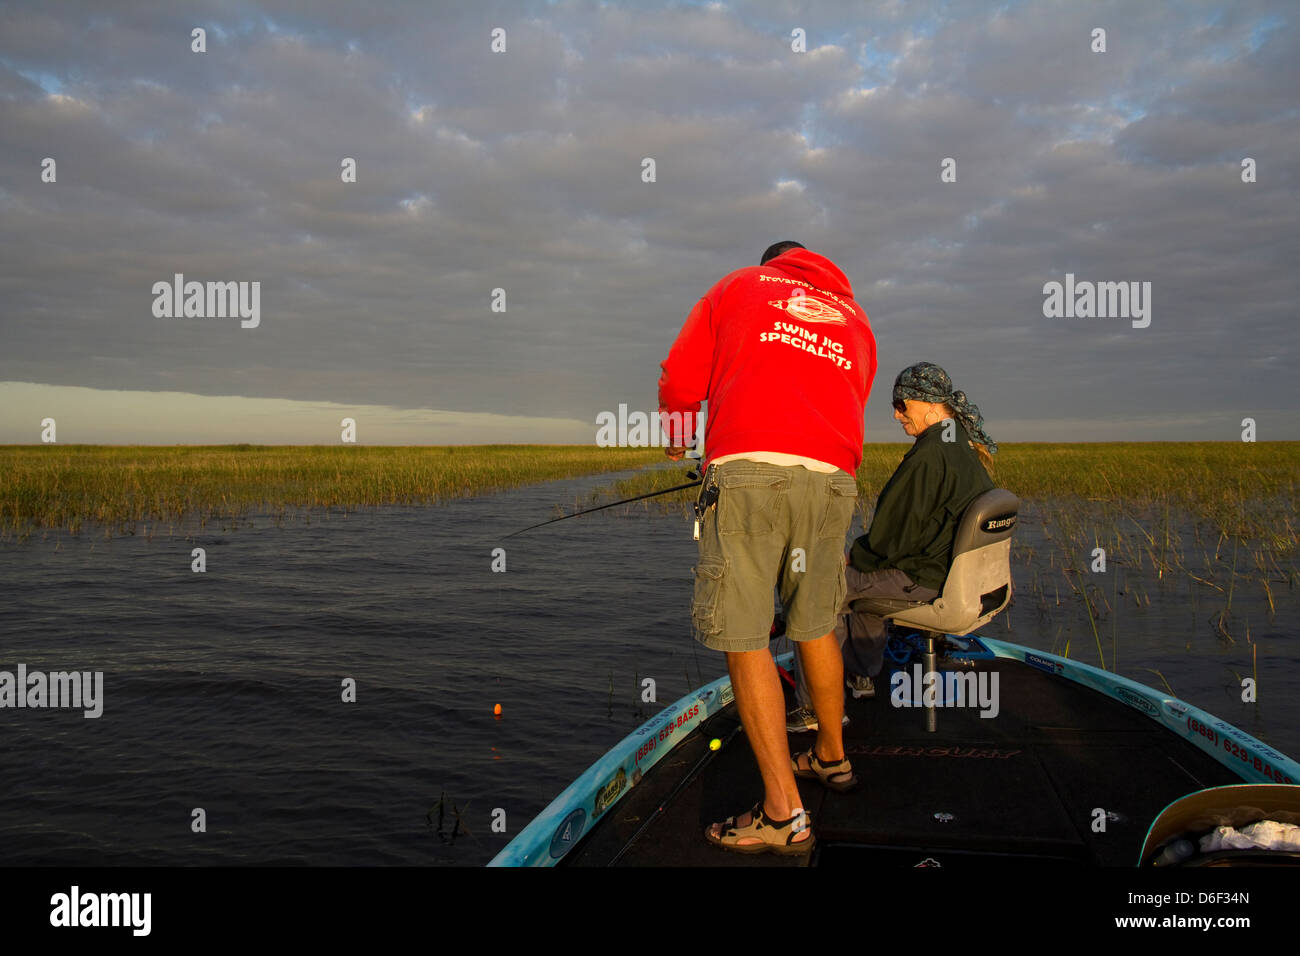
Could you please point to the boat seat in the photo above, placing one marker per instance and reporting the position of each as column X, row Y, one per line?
column 978, row 585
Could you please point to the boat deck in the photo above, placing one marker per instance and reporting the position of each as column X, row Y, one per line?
column 1021, row 788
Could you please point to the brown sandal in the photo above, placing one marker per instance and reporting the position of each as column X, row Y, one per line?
column 834, row 776
column 775, row 836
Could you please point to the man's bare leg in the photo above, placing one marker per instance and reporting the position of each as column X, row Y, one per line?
column 762, row 712
column 823, row 669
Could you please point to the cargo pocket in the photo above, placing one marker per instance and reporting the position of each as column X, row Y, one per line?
column 749, row 503
column 706, row 605
column 841, row 499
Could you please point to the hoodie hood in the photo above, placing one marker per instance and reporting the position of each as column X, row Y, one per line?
column 817, row 271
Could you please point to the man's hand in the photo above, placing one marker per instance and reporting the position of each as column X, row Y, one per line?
column 675, row 452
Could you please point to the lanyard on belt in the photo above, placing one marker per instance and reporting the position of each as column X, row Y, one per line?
column 707, row 498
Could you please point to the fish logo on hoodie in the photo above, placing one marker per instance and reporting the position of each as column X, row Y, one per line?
column 805, row 308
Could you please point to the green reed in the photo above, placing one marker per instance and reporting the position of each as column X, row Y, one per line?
column 116, row 487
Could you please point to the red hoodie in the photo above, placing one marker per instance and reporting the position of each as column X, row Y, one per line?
column 785, row 358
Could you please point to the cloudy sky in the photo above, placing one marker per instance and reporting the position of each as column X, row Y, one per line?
column 522, row 170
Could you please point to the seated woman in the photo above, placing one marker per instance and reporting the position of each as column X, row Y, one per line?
column 908, row 549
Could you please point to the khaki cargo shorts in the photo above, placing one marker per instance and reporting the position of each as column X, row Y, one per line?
column 772, row 527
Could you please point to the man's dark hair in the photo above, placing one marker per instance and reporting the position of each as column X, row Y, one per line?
column 777, row 248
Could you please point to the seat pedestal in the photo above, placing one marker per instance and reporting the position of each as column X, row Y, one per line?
column 929, row 662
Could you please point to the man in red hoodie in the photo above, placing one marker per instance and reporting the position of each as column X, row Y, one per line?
column 785, row 359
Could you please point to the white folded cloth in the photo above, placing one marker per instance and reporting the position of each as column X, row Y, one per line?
column 1264, row 835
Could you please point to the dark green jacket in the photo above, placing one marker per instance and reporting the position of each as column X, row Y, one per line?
column 919, row 508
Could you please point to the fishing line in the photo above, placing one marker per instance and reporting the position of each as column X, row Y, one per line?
column 614, row 504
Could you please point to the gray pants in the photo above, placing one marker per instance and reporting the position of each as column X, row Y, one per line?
column 862, row 636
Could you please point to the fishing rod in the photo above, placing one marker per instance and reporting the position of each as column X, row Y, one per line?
column 681, row 785
column 693, row 474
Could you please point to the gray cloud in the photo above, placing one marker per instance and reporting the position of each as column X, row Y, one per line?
column 522, row 171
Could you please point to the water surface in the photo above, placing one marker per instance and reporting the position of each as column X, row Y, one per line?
column 223, row 690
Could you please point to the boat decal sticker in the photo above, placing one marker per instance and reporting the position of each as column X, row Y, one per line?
column 609, row 793
column 567, row 833
column 1194, row 726
column 1043, row 664
column 644, row 750
column 1137, row 701
column 1252, row 753
column 902, row 750
column 1231, row 731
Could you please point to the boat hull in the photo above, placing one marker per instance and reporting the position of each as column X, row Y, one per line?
column 1070, row 767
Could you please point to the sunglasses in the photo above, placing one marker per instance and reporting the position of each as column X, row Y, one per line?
column 900, row 406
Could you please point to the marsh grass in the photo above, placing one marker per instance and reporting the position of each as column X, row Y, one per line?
column 1245, row 489
column 119, row 487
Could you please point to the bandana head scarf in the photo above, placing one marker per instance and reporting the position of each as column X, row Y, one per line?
column 927, row 382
